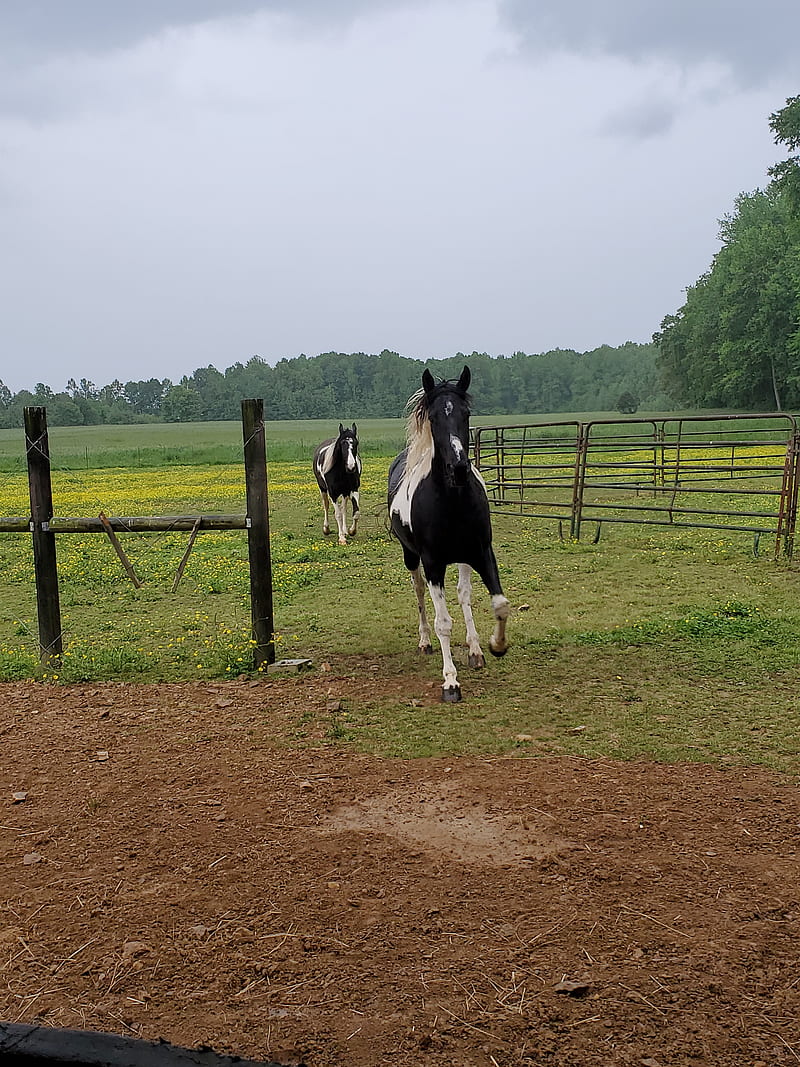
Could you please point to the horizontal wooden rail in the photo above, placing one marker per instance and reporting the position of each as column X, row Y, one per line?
column 128, row 523
column 15, row 524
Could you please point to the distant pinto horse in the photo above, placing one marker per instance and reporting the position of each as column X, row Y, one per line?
column 439, row 512
column 337, row 468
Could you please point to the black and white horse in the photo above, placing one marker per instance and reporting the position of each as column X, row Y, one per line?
column 337, row 468
column 439, row 512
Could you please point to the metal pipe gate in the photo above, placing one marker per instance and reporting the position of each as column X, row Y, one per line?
column 716, row 472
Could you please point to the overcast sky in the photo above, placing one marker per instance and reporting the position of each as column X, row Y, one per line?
column 192, row 182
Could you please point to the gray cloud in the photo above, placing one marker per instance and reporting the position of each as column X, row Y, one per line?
column 90, row 25
column 41, row 39
column 305, row 175
column 650, row 117
column 754, row 41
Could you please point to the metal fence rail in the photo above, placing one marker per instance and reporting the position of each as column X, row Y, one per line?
column 735, row 472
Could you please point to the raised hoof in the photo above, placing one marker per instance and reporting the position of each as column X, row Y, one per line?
column 326, row 530
column 497, row 653
column 476, row 662
column 451, row 694
column 351, row 532
column 426, row 650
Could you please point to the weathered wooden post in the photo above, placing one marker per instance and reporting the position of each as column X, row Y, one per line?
column 255, row 468
column 37, row 449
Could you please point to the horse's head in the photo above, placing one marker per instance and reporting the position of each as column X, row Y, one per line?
column 347, row 444
column 446, row 406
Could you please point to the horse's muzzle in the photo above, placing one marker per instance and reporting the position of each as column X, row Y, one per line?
column 456, row 474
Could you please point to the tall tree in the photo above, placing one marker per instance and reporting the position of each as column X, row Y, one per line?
column 785, row 125
column 736, row 340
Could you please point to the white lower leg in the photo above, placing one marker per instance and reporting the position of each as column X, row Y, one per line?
column 341, row 522
column 354, row 504
column 443, row 625
column 501, row 607
column 424, row 629
column 465, row 600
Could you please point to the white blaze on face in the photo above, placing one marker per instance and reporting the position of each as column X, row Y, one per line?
column 351, row 459
column 457, row 447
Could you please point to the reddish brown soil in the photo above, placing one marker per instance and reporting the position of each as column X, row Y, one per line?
column 167, row 871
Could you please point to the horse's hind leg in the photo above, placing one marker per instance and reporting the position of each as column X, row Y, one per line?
column 424, row 629
column 443, row 625
column 465, row 600
column 326, row 503
column 354, row 503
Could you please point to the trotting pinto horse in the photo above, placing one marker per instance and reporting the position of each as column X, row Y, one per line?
column 337, row 468
column 439, row 512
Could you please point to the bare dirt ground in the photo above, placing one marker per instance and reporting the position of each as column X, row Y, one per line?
column 166, row 870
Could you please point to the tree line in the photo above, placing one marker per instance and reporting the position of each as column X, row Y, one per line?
column 346, row 386
column 735, row 342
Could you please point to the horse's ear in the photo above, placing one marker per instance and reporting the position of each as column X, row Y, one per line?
column 465, row 379
column 427, row 380
column 355, row 431
column 341, row 428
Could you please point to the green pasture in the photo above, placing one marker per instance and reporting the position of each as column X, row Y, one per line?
column 663, row 644
column 176, row 444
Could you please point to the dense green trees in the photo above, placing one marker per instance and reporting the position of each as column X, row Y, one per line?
column 338, row 385
column 736, row 340
column 785, row 125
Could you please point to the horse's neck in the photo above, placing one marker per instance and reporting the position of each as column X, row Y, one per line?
column 331, row 457
column 420, row 448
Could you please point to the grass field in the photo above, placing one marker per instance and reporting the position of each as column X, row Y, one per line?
column 674, row 645
column 177, row 444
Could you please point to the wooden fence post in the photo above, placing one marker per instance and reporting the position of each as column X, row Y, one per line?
column 37, row 449
column 255, row 468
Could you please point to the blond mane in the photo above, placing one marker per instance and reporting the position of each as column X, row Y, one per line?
column 419, row 439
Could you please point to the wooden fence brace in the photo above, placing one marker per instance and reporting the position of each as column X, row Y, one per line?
column 187, row 553
column 255, row 468
column 126, row 563
column 37, row 449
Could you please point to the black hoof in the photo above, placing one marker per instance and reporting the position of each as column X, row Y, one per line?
column 497, row 654
column 426, row 650
column 451, row 694
column 476, row 662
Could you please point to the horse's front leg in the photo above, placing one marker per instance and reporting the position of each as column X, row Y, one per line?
column 465, row 600
column 326, row 503
column 498, row 644
column 341, row 521
column 443, row 625
column 354, row 504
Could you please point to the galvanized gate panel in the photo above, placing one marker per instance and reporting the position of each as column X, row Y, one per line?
column 728, row 472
